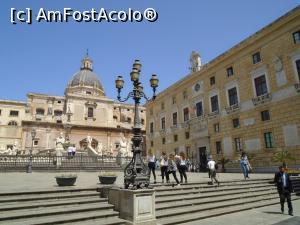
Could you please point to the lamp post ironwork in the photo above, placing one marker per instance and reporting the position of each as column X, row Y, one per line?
column 33, row 134
column 136, row 172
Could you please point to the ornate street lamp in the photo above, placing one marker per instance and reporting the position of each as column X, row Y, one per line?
column 136, row 172
column 33, row 134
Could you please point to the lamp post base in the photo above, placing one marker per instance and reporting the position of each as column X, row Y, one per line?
column 135, row 206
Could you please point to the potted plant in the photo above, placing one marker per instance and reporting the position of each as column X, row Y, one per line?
column 66, row 179
column 282, row 156
column 223, row 161
column 107, row 177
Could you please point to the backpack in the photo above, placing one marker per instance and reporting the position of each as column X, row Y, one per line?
column 216, row 166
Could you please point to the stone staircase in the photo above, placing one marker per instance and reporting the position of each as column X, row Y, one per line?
column 195, row 202
column 77, row 206
column 174, row 205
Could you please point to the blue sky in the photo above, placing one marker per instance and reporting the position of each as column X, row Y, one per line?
column 43, row 57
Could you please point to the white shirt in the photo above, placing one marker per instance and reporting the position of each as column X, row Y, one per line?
column 70, row 149
column 211, row 164
column 151, row 158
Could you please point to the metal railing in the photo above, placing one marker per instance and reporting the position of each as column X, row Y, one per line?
column 52, row 162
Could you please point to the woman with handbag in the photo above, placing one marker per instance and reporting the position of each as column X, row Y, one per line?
column 164, row 167
column 172, row 168
column 245, row 165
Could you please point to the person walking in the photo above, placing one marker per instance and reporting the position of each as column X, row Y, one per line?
column 172, row 168
column 245, row 165
column 73, row 150
column 284, row 188
column 212, row 166
column 152, row 164
column 182, row 167
column 164, row 167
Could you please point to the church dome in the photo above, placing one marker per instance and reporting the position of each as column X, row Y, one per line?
column 86, row 77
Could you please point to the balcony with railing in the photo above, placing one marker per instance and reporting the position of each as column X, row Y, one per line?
column 297, row 87
column 162, row 132
column 233, row 108
column 175, row 127
column 262, row 99
column 213, row 114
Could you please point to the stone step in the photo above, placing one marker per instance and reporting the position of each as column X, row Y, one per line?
column 163, row 187
column 181, row 190
column 205, row 200
column 215, row 197
column 81, row 217
column 102, row 221
column 50, row 203
column 210, row 206
column 60, row 190
column 53, row 211
column 201, row 194
column 47, row 196
column 198, row 215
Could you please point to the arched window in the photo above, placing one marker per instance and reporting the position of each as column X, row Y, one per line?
column 40, row 111
column 12, row 123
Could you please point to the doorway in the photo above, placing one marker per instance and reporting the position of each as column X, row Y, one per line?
column 202, row 159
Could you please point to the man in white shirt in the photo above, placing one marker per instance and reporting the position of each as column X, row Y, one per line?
column 213, row 173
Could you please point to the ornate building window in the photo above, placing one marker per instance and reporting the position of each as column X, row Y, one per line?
column 12, row 123
column 230, row 71
column 175, row 138
column 199, row 109
column 174, row 100
column 296, row 37
column 151, row 127
column 269, row 141
column 232, row 96
column 256, row 58
column 14, row 113
column 265, row 115
column 297, row 62
column 217, row 127
column 184, row 94
column 163, row 141
column 186, row 115
column 238, row 144
column 236, row 123
column 163, row 123
column 90, row 113
column 218, row 147
column 261, row 85
column 212, row 80
column 187, row 135
column 40, row 111
column 214, row 102
column 174, row 119
column 58, row 113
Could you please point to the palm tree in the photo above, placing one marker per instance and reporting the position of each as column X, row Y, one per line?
column 283, row 156
column 223, row 161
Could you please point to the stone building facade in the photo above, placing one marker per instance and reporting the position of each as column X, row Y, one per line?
column 83, row 111
column 247, row 99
